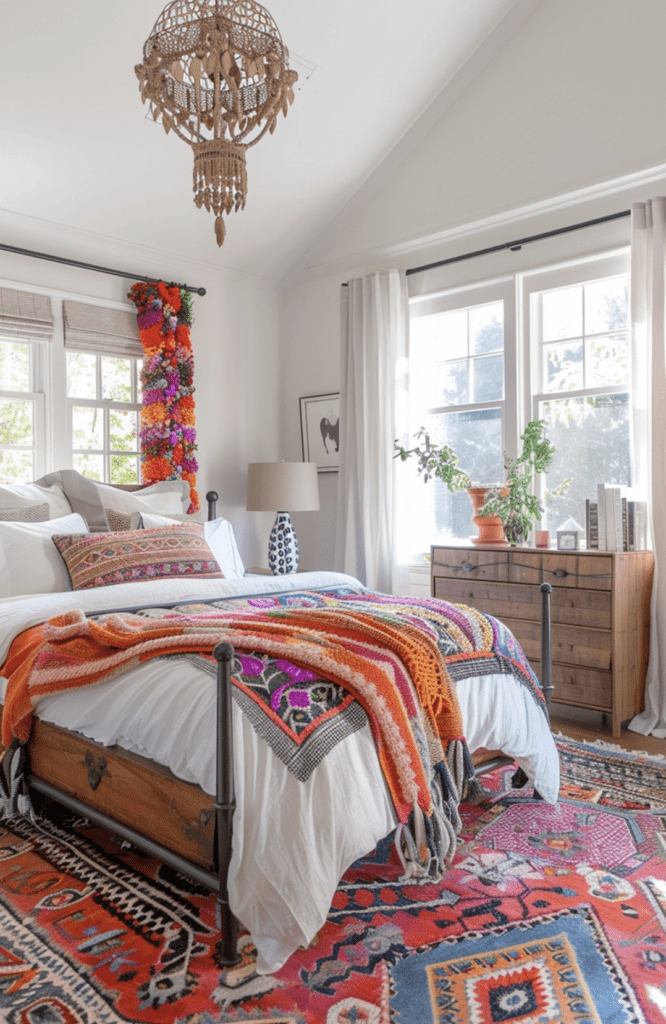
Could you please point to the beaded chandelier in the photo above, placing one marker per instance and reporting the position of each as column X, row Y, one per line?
column 216, row 72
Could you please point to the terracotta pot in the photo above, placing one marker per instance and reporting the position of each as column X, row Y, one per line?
column 491, row 528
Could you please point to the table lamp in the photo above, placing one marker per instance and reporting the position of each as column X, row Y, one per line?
column 276, row 487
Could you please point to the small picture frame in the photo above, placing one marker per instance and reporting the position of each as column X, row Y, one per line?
column 320, row 431
column 568, row 540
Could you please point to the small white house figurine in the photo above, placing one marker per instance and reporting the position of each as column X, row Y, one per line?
column 570, row 535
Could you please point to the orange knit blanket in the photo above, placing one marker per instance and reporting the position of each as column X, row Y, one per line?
column 361, row 650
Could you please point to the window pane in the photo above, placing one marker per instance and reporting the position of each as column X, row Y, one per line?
column 452, row 383
column 123, row 431
column 606, row 305
column 451, row 334
column 608, row 361
column 16, row 467
column 90, row 466
column 137, row 378
column 87, row 429
column 564, row 367
column 124, row 469
column 81, row 375
column 117, row 379
column 591, row 438
column 434, row 514
column 14, row 367
column 562, row 312
column 486, row 328
column 489, row 379
column 16, row 422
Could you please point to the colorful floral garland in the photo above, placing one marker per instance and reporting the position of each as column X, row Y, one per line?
column 168, row 433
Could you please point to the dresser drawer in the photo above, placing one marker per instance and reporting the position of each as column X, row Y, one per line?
column 570, row 607
column 468, row 563
column 560, row 570
column 571, row 645
column 582, row 687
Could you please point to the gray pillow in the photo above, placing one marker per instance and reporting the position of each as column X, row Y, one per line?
column 36, row 512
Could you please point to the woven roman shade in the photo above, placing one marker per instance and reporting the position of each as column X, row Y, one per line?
column 98, row 329
column 25, row 316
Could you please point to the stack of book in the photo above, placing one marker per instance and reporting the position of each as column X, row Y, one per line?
column 614, row 522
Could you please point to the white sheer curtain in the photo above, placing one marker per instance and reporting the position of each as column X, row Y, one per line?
column 648, row 325
column 373, row 369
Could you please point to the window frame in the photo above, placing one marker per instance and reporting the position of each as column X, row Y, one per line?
column 48, row 367
column 523, row 391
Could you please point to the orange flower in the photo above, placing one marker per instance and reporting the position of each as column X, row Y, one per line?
column 155, row 413
column 157, row 469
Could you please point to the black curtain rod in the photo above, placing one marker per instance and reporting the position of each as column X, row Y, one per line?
column 92, row 266
column 520, row 242
column 517, row 244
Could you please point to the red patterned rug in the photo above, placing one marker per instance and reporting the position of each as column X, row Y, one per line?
column 549, row 914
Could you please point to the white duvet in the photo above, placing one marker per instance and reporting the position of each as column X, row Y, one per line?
column 292, row 841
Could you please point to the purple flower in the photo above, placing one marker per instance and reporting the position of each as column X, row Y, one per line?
column 296, row 674
column 250, row 666
column 148, row 318
column 299, row 699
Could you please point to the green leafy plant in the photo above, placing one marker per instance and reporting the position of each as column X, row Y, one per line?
column 513, row 501
column 434, row 460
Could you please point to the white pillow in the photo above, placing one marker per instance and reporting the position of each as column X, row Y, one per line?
column 171, row 497
column 30, row 563
column 220, row 538
column 18, row 495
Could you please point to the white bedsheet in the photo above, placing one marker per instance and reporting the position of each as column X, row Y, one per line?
column 292, row 841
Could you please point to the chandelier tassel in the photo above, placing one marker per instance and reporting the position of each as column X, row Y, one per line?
column 220, row 179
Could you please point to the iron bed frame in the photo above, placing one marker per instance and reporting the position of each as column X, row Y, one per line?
column 224, row 805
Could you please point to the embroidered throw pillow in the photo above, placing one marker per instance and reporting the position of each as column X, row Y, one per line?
column 105, row 559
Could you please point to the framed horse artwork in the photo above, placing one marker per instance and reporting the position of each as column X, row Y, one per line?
column 320, row 431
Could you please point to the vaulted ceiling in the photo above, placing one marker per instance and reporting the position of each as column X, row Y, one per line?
column 78, row 150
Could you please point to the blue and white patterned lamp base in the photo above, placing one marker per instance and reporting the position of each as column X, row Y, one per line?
column 282, row 546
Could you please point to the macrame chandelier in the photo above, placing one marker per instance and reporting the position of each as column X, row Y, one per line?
column 216, row 72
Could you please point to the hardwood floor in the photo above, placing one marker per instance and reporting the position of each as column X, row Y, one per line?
column 580, row 724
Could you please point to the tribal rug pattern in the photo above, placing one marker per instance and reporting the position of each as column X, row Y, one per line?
column 548, row 914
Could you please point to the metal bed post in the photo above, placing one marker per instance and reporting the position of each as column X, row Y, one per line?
column 546, row 653
column 226, row 949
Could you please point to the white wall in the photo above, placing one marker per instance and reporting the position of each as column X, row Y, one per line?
column 563, row 125
column 235, row 339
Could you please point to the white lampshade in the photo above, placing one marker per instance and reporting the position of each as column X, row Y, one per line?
column 282, row 487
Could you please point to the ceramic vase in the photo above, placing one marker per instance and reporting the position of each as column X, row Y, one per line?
column 282, row 546
column 491, row 528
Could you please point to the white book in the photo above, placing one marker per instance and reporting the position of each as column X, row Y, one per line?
column 640, row 525
column 617, row 512
column 611, row 539
column 601, row 515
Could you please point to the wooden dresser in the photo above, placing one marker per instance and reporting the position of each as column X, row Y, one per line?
column 600, row 611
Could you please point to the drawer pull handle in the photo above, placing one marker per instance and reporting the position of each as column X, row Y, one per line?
column 560, row 573
column 468, row 567
column 96, row 769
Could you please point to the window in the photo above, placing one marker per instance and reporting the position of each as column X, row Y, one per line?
column 26, row 333
column 580, row 348
column 104, row 404
column 70, row 388
column 549, row 345
column 21, row 412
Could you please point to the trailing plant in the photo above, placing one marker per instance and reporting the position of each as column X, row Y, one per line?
column 438, row 460
column 513, row 501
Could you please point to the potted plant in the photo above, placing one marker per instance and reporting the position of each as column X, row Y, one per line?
column 435, row 460
column 513, row 501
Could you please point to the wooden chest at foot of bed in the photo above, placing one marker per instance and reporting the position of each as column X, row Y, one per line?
column 129, row 788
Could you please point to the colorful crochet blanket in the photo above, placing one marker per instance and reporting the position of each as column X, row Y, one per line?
column 331, row 653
